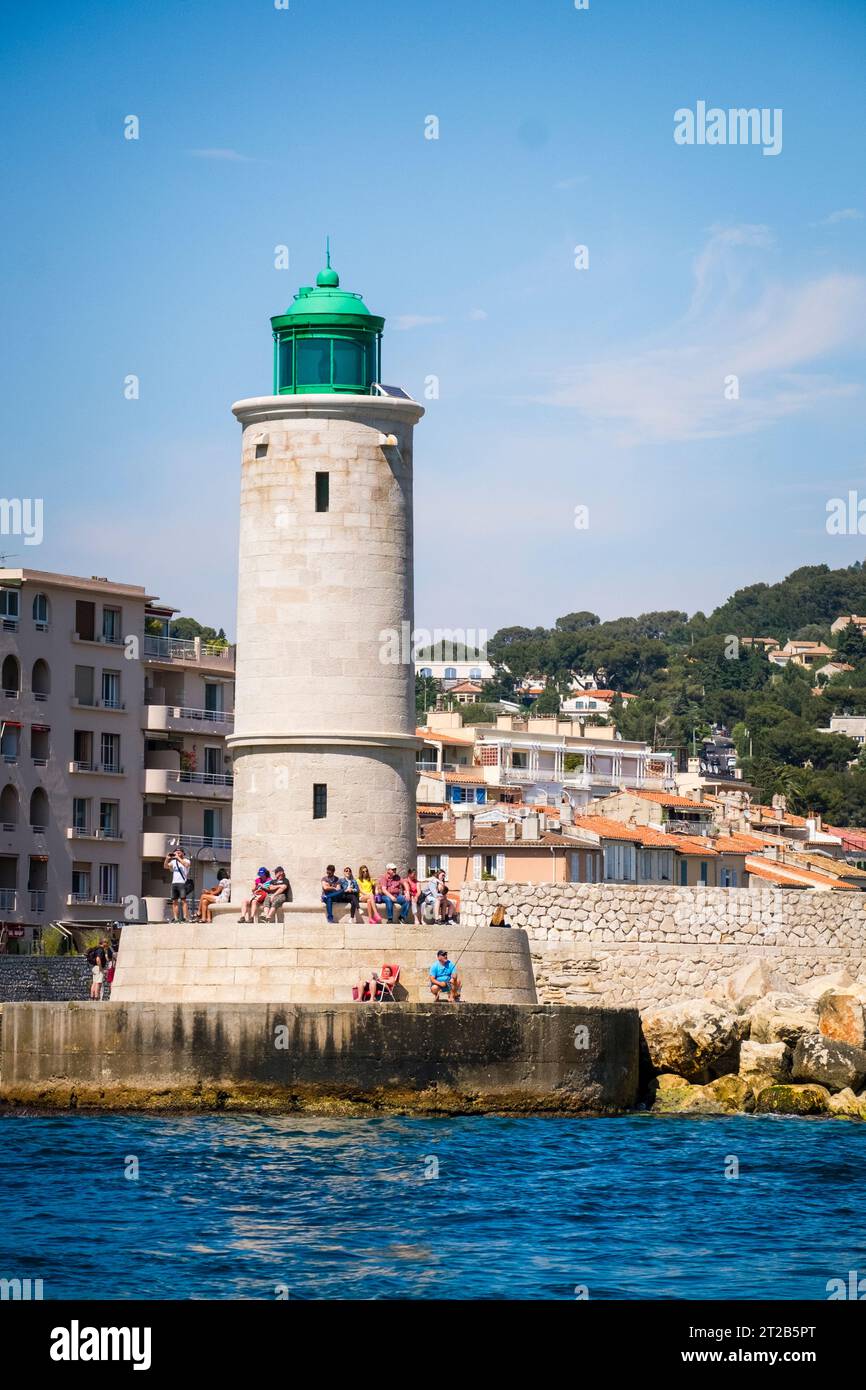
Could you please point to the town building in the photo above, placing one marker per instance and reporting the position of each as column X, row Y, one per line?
column 88, row 694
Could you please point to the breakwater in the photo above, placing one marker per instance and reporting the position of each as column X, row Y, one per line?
column 343, row 1058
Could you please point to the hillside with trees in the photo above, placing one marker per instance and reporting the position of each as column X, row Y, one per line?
column 690, row 675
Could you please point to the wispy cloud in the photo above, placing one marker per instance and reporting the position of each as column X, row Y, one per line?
column 771, row 337
column 841, row 215
column 562, row 185
column 228, row 156
column 405, row 321
column 477, row 315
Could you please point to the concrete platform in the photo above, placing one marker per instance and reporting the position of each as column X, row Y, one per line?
column 320, row 1059
column 287, row 963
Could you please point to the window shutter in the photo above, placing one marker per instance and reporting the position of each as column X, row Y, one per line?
column 476, row 867
column 500, row 867
column 443, row 863
column 422, row 866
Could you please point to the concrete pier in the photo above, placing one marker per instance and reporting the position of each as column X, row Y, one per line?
column 320, row 1059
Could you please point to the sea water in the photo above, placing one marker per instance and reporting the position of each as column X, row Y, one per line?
column 221, row 1206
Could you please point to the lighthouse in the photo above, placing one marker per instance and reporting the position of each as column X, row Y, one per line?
column 324, row 740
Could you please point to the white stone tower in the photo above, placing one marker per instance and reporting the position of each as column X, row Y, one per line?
column 324, row 741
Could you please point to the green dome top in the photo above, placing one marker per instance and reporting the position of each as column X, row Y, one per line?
column 328, row 279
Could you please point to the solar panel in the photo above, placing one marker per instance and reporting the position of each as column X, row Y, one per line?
column 396, row 391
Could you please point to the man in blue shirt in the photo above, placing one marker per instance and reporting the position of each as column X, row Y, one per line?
column 444, row 978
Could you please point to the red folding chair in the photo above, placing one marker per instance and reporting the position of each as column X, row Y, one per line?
column 385, row 984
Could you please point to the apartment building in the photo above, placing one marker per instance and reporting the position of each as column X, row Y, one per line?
column 77, row 658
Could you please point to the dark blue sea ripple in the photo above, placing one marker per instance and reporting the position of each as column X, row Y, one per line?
column 267, row 1207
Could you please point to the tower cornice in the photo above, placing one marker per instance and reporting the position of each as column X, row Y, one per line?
column 326, row 406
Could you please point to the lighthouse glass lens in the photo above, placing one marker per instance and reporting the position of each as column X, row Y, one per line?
column 314, row 361
column 348, row 362
column 286, row 364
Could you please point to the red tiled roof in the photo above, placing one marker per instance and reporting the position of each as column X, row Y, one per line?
column 667, row 799
column 437, row 736
column 789, row 873
column 441, row 832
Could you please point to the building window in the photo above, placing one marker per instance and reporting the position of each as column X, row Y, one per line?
column 9, row 607
column 493, row 866
column 81, row 814
column 110, row 752
column 81, row 883
column 111, row 689
column 684, row 873
column 320, row 800
column 704, row 873
column 108, row 880
column 729, row 878
column 426, row 672
column 261, row 451
column 109, row 824
column 323, row 491
column 111, row 625
column 450, row 673
column 40, row 611
column 619, row 863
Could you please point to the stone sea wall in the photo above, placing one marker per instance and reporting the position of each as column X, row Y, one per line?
column 640, row 945
column 320, row 1058
column 24, row 978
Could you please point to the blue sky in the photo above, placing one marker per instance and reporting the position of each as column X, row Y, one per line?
column 559, row 387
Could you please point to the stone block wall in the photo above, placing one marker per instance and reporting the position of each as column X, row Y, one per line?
column 31, row 978
column 641, row 945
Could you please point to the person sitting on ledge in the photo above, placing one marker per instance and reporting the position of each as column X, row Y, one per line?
column 389, row 890
column 335, row 890
column 252, row 906
column 412, row 889
column 498, row 918
column 444, row 906
column 367, row 890
column 278, row 892
column 351, row 892
column 220, row 893
column 444, row 978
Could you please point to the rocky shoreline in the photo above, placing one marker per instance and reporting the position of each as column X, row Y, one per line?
column 757, row 1044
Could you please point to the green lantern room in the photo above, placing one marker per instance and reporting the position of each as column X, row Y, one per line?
column 326, row 341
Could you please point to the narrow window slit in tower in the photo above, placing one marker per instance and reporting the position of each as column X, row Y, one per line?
column 322, row 491
column 261, row 451
column 320, row 796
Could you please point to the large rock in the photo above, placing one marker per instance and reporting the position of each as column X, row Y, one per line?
column 840, row 1017
column 832, row 1064
column 674, row 1096
column 846, row 1103
column 762, row 1062
column 813, row 989
column 748, row 984
column 695, row 1038
column 782, row 1017
column 733, row 1092
column 793, row 1100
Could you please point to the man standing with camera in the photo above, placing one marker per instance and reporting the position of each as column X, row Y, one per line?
column 181, row 883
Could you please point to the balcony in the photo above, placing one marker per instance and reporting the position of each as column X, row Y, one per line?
column 37, row 899
column 162, row 781
column 685, row 826
column 8, row 899
column 98, row 769
column 83, row 832
column 183, row 719
column 115, row 706
column 97, row 640
column 155, row 844
column 93, row 900
column 177, row 651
